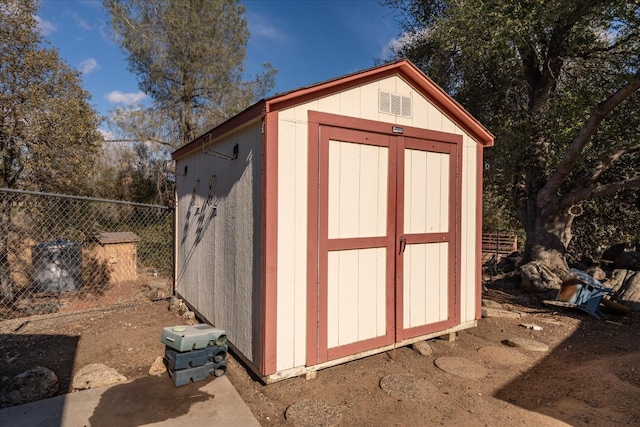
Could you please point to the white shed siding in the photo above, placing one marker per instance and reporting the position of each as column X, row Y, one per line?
column 359, row 102
column 469, row 212
column 218, row 267
column 292, row 244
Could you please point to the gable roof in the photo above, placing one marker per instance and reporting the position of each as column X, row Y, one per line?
column 403, row 68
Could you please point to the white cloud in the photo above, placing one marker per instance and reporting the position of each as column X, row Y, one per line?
column 88, row 65
column 396, row 44
column 263, row 28
column 117, row 97
column 388, row 49
column 80, row 22
column 46, row 27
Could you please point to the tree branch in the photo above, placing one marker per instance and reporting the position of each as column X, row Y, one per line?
column 598, row 191
column 568, row 162
column 609, row 159
column 141, row 140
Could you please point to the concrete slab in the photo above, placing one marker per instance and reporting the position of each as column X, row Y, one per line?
column 150, row 401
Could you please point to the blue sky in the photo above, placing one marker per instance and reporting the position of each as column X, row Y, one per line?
column 307, row 41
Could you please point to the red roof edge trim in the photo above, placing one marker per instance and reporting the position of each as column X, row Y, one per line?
column 448, row 105
column 242, row 118
column 410, row 73
column 403, row 68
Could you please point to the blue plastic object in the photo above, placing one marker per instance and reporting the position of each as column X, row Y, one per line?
column 181, row 377
column 193, row 337
column 190, row 359
column 589, row 294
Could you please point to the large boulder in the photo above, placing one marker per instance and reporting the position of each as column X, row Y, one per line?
column 96, row 375
column 627, row 260
column 538, row 277
column 630, row 292
column 35, row 384
column 617, row 279
column 626, row 284
column 613, row 252
column 510, row 262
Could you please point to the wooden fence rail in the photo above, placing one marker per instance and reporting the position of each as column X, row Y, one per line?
column 498, row 244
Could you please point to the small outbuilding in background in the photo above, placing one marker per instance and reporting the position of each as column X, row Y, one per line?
column 335, row 221
column 118, row 253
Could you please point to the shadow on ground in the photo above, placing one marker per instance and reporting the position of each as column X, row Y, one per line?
column 592, row 377
column 145, row 401
column 23, row 352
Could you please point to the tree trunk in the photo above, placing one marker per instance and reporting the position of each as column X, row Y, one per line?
column 548, row 236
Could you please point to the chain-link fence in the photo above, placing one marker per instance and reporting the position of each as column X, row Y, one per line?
column 64, row 253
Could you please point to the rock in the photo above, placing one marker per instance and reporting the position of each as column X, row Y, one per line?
column 34, row 384
column 527, row 344
column 626, row 284
column 503, row 355
column 538, row 277
column 174, row 303
column 156, row 294
column 183, row 309
column 617, row 279
column 615, row 251
column 629, row 292
column 597, row 273
column 628, row 260
column 510, row 262
column 408, row 387
column 423, row 348
column 496, row 312
column 461, row 367
column 96, row 375
column 158, row 367
column 491, row 304
column 313, row 413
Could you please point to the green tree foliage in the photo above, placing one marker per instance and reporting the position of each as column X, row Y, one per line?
column 557, row 83
column 133, row 171
column 189, row 58
column 48, row 130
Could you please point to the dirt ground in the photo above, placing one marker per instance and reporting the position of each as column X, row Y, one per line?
column 590, row 376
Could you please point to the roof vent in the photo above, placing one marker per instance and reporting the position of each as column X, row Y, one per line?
column 398, row 105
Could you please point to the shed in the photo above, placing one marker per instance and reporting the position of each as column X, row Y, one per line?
column 334, row 221
column 118, row 252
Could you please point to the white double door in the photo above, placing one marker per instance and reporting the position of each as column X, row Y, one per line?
column 386, row 239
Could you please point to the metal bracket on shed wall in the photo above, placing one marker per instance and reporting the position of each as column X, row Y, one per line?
column 172, row 169
column 217, row 153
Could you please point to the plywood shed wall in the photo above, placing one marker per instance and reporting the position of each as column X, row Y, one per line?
column 118, row 252
column 349, row 223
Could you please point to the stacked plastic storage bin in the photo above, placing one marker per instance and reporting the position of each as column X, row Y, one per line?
column 192, row 353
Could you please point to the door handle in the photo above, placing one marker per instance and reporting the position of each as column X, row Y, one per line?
column 403, row 245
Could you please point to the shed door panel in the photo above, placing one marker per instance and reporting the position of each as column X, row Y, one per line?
column 356, row 296
column 426, row 229
column 357, row 240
